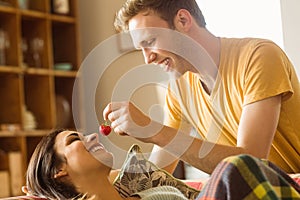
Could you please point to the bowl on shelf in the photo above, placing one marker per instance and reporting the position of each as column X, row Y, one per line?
column 63, row 66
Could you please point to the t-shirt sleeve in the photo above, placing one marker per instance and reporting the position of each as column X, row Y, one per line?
column 268, row 73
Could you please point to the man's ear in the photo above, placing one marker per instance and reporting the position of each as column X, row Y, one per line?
column 183, row 20
column 61, row 172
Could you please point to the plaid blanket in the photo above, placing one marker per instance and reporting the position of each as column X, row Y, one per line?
column 246, row 177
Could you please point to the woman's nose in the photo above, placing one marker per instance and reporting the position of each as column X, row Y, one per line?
column 149, row 56
column 90, row 137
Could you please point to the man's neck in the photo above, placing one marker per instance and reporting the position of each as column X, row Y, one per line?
column 212, row 45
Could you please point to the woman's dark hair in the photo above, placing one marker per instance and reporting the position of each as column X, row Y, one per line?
column 167, row 10
column 43, row 165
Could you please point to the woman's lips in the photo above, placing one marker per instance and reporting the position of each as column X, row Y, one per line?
column 92, row 143
column 95, row 147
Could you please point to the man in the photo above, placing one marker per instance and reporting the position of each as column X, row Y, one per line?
column 251, row 106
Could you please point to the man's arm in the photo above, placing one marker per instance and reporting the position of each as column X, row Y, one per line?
column 258, row 125
column 257, row 128
column 163, row 159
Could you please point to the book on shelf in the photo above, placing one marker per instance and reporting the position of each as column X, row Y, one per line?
column 4, row 184
column 15, row 172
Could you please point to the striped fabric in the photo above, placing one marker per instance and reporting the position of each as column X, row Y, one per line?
column 248, row 178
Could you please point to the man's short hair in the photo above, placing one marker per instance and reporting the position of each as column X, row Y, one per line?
column 166, row 9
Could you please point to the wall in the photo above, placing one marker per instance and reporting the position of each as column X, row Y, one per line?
column 96, row 25
column 291, row 30
column 247, row 18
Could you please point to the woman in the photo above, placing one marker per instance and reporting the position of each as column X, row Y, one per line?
column 65, row 165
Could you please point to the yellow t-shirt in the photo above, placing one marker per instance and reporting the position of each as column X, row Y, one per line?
column 250, row 70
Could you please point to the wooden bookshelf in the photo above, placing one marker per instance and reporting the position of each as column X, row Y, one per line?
column 35, row 41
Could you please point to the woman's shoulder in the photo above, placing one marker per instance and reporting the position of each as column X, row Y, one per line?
column 113, row 175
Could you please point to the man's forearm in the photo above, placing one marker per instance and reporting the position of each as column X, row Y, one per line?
column 201, row 154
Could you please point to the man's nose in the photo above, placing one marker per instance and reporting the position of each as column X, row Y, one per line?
column 149, row 56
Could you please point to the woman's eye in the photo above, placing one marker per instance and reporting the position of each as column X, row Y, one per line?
column 73, row 139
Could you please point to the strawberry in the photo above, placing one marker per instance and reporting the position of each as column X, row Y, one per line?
column 105, row 128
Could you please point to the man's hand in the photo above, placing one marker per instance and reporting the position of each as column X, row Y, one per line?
column 127, row 119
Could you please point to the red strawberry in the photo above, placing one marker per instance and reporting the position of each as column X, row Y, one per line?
column 105, row 128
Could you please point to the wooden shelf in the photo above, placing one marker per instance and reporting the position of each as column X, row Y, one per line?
column 62, row 19
column 7, row 9
column 33, row 14
column 66, row 73
column 35, row 41
column 10, row 69
column 31, row 133
column 36, row 71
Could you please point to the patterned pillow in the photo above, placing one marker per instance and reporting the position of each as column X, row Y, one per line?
column 138, row 174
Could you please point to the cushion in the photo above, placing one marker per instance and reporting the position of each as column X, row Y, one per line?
column 296, row 177
column 197, row 184
column 138, row 174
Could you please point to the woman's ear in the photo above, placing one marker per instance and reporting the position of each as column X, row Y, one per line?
column 183, row 20
column 25, row 190
column 61, row 172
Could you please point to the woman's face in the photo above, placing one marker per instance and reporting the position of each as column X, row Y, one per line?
column 83, row 155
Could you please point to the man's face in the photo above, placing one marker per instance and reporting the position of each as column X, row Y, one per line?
column 154, row 37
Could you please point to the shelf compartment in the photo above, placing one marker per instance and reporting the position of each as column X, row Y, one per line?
column 35, row 42
column 8, row 40
column 11, row 144
column 31, row 143
column 65, row 44
column 64, row 91
column 3, row 160
column 38, row 99
column 10, row 102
